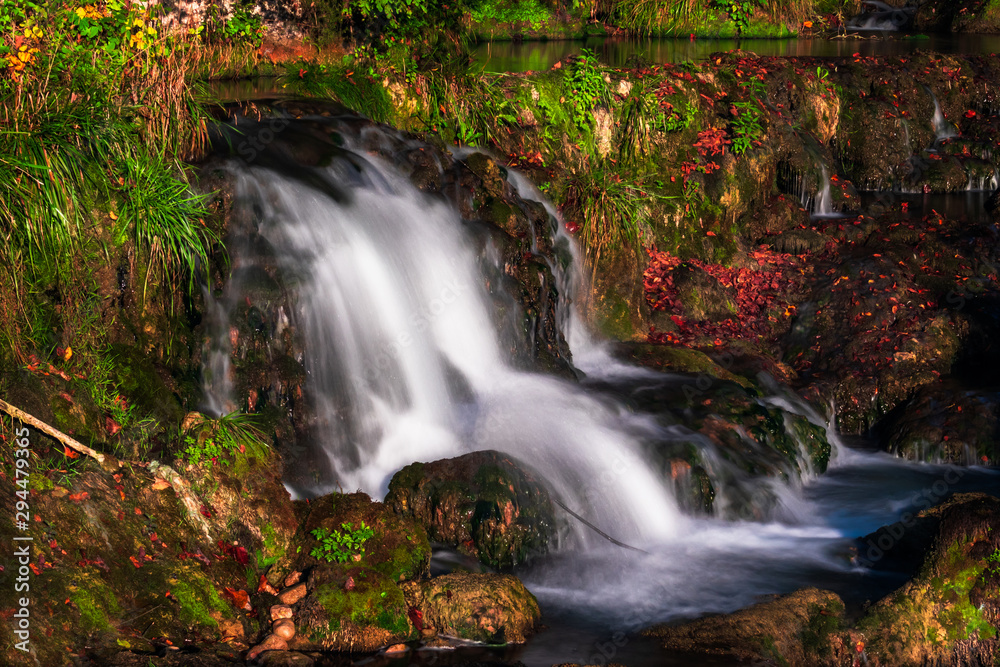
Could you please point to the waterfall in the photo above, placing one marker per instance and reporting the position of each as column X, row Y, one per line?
column 405, row 363
column 824, row 200
column 943, row 129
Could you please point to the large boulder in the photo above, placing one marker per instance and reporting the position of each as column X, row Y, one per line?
column 795, row 630
column 950, row 612
column 485, row 504
column 489, row 608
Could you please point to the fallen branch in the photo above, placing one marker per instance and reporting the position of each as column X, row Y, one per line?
column 106, row 460
column 188, row 498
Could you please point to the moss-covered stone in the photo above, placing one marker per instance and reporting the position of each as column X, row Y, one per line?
column 484, row 503
column 489, row 608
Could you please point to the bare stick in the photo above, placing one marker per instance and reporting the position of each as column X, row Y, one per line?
column 106, row 460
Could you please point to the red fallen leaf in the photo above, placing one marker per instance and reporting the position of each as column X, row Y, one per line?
column 205, row 512
column 111, row 425
column 34, row 568
column 53, row 545
column 970, row 114
column 79, row 497
column 138, row 511
column 69, row 453
column 417, row 618
column 240, row 599
column 709, row 233
column 241, row 556
column 135, row 561
column 153, row 537
column 265, row 586
column 121, row 490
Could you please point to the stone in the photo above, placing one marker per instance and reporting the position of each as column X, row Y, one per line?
column 270, row 643
column 292, row 579
column 284, row 629
column 490, row 608
column 485, row 504
column 280, row 611
column 290, row 596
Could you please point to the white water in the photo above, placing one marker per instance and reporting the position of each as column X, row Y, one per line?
column 943, row 128
column 406, row 365
column 405, row 362
column 824, row 200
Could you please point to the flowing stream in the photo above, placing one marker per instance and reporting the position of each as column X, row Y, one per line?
column 405, row 364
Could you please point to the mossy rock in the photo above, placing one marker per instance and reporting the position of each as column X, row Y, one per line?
column 143, row 386
column 788, row 630
column 677, row 359
column 953, row 605
column 486, row 504
column 399, row 549
column 353, row 608
column 488, row 608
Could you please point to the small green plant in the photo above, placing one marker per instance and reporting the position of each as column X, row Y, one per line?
column 748, row 123
column 224, row 440
column 341, row 545
column 740, row 12
column 243, row 26
column 585, row 88
column 822, row 73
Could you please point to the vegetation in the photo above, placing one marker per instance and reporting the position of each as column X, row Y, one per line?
column 225, row 440
column 341, row 545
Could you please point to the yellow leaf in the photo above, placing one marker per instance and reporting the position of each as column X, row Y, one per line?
column 68, row 354
column 113, row 215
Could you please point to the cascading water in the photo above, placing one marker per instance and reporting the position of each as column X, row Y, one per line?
column 824, row 200
column 943, row 128
column 405, row 363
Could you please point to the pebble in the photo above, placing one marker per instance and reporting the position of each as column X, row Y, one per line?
column 280, row 611
column 292, row 595
column 270, row 643
column 285, row 629
column 292, row 579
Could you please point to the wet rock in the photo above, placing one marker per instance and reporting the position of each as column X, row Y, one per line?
column 285, row 629
column 270, row 643
column 491, row 608
column 951, row 610
column 944, row 423
column 292, row 595
column 484, row 503
column 292, row 579
column 795, row 630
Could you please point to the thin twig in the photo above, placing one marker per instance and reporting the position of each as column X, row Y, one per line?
column 598, row 530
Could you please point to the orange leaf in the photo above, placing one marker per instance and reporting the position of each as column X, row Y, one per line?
column 160, row 484
column 70, row 453
column 135, row 561
column 77, row 497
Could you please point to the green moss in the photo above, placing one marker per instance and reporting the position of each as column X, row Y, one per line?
column 374, row 601
column 822, row 622
column 198, row 600
column 95, row 602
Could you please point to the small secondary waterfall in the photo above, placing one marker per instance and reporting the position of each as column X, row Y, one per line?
column 943, row 128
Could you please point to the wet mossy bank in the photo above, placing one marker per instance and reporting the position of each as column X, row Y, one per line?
column 198, row 564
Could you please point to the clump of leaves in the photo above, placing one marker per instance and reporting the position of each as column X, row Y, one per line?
column 222, row 440
column 341, row 545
